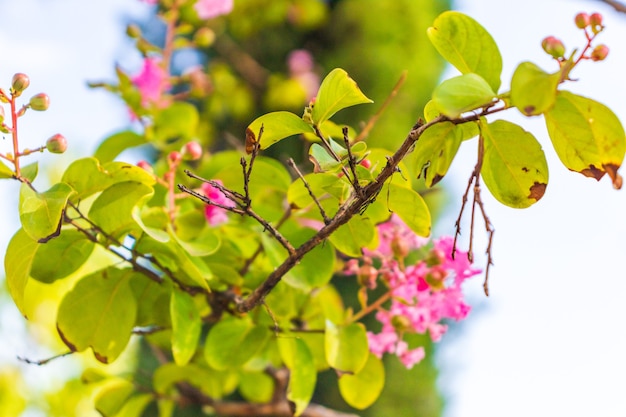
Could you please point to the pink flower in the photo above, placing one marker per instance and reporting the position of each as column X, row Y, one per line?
column 396, row 238
column 208, row 9
column 151, row 1
column 152, row 82
column 215, row 215
column 301, row 65
column 409, row 358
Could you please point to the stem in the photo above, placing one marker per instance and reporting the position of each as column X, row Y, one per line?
column 372, row 307
column 16, row 159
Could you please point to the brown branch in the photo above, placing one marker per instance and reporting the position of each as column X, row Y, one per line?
column 351, row 162
column 618, row 6
column 353, row 205
column 44, row 361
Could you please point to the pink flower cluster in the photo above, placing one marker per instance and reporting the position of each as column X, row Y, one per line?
column 301, row 68
column 208, row 9
column 215, row 215
column 152, row 82
column 423, row 296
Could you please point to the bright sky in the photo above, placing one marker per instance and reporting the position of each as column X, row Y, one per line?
column 549, row 341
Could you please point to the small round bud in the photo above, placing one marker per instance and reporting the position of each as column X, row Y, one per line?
column 39, row 102
column 145, row 165
column 582, row 20
column 192, row 151
column 204, row 37
column 174, row 158
column 19, row 83
column 553, row 47
column 599, row 53
column 133, row 31
column 57, row 144
column 1, row 115
column 595, row 19
column 366, row 163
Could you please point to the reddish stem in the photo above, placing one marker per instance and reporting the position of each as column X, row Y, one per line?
column 16, row 153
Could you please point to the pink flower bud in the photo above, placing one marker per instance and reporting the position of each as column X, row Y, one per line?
column 599, row 53
column 366, row 163
column 56, row 144
column 595, row 19
column 553, row 47
column 174, row 158
column 39, row 102
column 19, row 83
column 145, row 165
column 192, row 151
column 582, row 20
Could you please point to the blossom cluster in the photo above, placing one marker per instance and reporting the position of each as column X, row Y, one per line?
column 422, row 296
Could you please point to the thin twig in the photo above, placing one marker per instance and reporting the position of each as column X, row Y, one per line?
column 43, row 361
column 259, row 250
column 372, row 121
column 351, row 162
column 293, row 165
column 618, row 6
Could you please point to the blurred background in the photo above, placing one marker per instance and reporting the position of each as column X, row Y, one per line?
column 549, row 339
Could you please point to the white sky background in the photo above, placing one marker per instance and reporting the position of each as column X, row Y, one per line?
column 549, row 341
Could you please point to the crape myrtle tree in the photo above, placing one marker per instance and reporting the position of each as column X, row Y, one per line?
column 224, row 270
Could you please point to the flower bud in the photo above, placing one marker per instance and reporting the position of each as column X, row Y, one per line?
column 599, row 53
column 133, row 31
column 1, row 115
column 145, row 165
column 192, row 151
column 366, row 163
column 204, row 37
column 174, row 158
column 595, row 19
column 401, row 323
column 39, row 102
column 19, row 83
column 553, row 46
column 582, row 20
column 4, row 97
column 57, row 144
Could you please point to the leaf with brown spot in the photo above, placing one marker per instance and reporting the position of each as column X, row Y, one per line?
column 587, row 136
column 514, row 168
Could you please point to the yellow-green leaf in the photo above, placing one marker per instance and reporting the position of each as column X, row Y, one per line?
column 111, row 396
column 353, row 236
column 17, row 263
column 514, row 168
column 336, row 92
column 186, row 326
column 303, row 374
column 587, row 136
column 362, row 389
column 464, row 43
column 410, row 207
column 69, row 251
column 533, row 91
column 435, row 150
column 276, row 126
column 41, row 213
column 461, row 94
column 346, row 347
column 99, row 312
column 5, row 171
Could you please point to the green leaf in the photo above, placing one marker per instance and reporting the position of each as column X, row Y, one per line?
column 303, row 374
column 336, row 92
column 41, row 213
column 86, row 176
column 435, row 150
column 587, row 136
column 110, row 397
column 30, row 171
column 353, row 236
column 186, row 326
column 5, row 171
column 153, row 221
column 115, row 144
column 276, row 126
column 112, row 210
column 179, row 120
column 135, row 406
column 61, row 256
column 463, row 93
column 99, row 312
column 362, row 389
column 257, row 387
column 468, row 130
column 212, row 383
column 232, row 342
column 464, row 43
column 17, row 263
column 533, row 91
column 346, row 347
column 321, row 184
column 410, row 207
column 207, row 243
column 514, row 167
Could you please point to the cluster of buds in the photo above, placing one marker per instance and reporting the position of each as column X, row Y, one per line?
column 592, row 25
